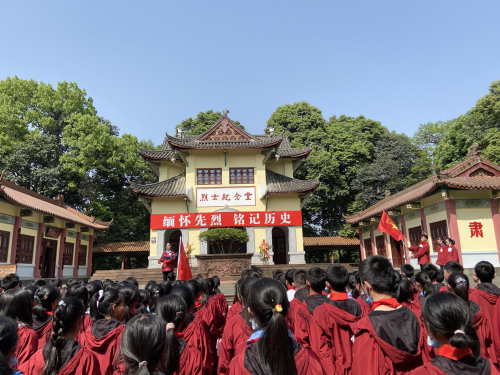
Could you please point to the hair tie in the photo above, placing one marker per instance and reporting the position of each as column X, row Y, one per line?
column 461, row 280
column 459, row 332
column 100, row 294
column 61, row 303
column 278, row 308
column 157, row 292
column 170, row 326
column 143, row 363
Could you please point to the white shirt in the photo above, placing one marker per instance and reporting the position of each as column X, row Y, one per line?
column 291, row 294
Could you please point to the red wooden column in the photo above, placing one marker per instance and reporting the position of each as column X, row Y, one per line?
column 361, row 246
column 403, row 227
column 15, row 236
column 451, row 216
column 38, row 249
column 123, row 261
column 372, row 239
column 496, row 222
column 61, row 252
column 77, row 253
column 89, row 256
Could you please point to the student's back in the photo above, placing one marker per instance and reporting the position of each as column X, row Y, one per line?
column 487, row 292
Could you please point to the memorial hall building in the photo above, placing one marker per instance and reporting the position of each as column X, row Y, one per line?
column 460, row 202
column 227, row 177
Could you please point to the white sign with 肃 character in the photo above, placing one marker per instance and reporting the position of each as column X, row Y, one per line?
column 231, row 196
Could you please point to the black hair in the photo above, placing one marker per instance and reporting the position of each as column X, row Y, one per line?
column 141, row 306
column 408, row 270
column 149, row 285
column 451, row 241
column 167, row 285
column 131, row 295
column 16, row 304
column 281, row 278
column 172, row 309
column 8, row 340
column 269, row 303
column 185, row 293
column 353, row 284
column 276, row 272
column 440, row 238
column 66, row 315
column 237, row 290
column 114, row 286
column 31, row 291
column 103, row 309
column 10, row 281
column 425, row 282
column 402, row 289
column 210, row 285
column 337, row 277
column 460, row 285
column 93, row 287
column 431, row 270
column 80, row 292
column 132, row 280
column 106, row 283
column 378, row 272
column 299, row 279
column 44, row 298
column 71, row 282
column 195, row 286
column 485, row 271
column 56, row 282
column 157, row 292
column 316, row 278
column 143, row 340
column 247, row 272
column 440, row 277
column 425, row 236
column 445, row 314
column 246, row 286
column 451, row 266
column 289, row 276
column 216, row 280
column 39, row 282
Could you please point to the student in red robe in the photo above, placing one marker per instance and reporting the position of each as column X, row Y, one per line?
column 301, row 293
column 448, row 318
column 80, row 291
column 330, row 330
column 451, row 251
column 221, row 298
column 422, row 251
column 423, row 283
column 272, row 349
column 458, row 284
column 16, row 304
column 389, row 339
column 315, row 284
column 237, row 331
column 235, row 308
column 195, row 330
column 103, row 336
column 8, row 343
column 487, row 292
column 179, row 358
column 131, row 295
column 143, row 344
column 47, row 297
column 362, row 298
column 62, row 354
column 432, row 271
column 289, row 283
column 442, row 256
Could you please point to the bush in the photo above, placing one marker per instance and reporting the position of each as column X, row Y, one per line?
column 218, row 236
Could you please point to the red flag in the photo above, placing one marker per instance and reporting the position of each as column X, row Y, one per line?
column 388, row 226
column 183, row 269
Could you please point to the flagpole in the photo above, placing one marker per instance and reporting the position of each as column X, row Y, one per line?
column 178, row 258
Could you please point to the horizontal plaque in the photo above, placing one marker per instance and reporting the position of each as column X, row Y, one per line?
column 230, row 196
column 29, row 224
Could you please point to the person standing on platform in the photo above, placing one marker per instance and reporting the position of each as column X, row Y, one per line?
column 422, row 251
column 451, row 251
column 442, row 257
column 168, row 258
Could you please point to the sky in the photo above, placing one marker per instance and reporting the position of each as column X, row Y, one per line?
column 150, row 64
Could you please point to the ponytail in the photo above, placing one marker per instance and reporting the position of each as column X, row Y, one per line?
column 8, row 339
column 352, row 285
column 451, row 241
column 67, row 314
column 402, row 288
column 157, row 292
column 102, row 303
column 425, row 282
column 44, row 298
column 131, row 295
column 460, row 285
column 142, row 304
column 269, row 303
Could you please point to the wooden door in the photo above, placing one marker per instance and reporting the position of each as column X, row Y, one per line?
column 4, row 245
column 380, row 245
column 82, row 255
column 397, row 253
column 415, row 235
column 279, row 246
column 48, row 258
column 25, row 247
column 69, row 249
column 368, row 247
column 438, row 229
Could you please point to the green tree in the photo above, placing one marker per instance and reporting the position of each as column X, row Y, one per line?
column 201, row 123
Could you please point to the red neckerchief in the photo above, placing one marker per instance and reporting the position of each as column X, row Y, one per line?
column 179, row 335
column 197, row 304
column 50, row 313
column 291, row 288
column 453, row 353
column 342, row 296
column 392, row 302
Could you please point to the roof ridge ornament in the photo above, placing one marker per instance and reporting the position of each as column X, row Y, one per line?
column 225, row 112
column 473, row 150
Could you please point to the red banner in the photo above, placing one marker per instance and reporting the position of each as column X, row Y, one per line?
column 226, row 219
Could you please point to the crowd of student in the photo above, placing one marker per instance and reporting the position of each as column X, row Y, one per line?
column 374, row 321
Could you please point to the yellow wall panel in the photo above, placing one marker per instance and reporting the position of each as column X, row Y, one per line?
column 482, row 215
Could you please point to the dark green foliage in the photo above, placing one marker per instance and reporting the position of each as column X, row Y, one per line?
column 222, row 239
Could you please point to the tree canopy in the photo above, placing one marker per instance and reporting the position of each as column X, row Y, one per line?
column 202, row 122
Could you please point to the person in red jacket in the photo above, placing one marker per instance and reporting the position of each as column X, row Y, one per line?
column 442, row 252
column 167, row 260
column 16, row 304
column 48, row 297
column 330, row 330
column 422, row 251
column 451, row 251
column 448, row 318
column 488, row 293
column 8, row 343
column 301, row 293
column 235, row 308
column 272, row 349
column 62, row 354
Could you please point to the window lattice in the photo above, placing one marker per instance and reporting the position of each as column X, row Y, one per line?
column 241, row 175
column 209, row 176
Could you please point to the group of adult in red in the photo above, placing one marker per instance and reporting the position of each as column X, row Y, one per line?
column 446, row 251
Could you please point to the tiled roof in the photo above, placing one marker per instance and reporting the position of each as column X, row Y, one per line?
column 121, row 247
column 331, row 241
column 468, row 163
column 280, row 184
column 286, row 151
column 190, row 143
column 173, row 187
column 475, row 183
column 157, row 155
column 51, row 207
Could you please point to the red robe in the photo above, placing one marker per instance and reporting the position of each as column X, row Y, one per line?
column 303, row 316
column 422, row 252
column 330, row 335
column 290, row 315
column 197, row 335
column 84, row 362
column 306, row 362
column 452, row 254
column 190, row 362
column 442, row 257
column 365, row 307
column 87, row 322
column 483, row 329
column 106, row 348
column 486, row 297
column 44, row 334
column 234, row 310
column 430, row 369
column 26, row 347
column 210, row 314
column 234, row 342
